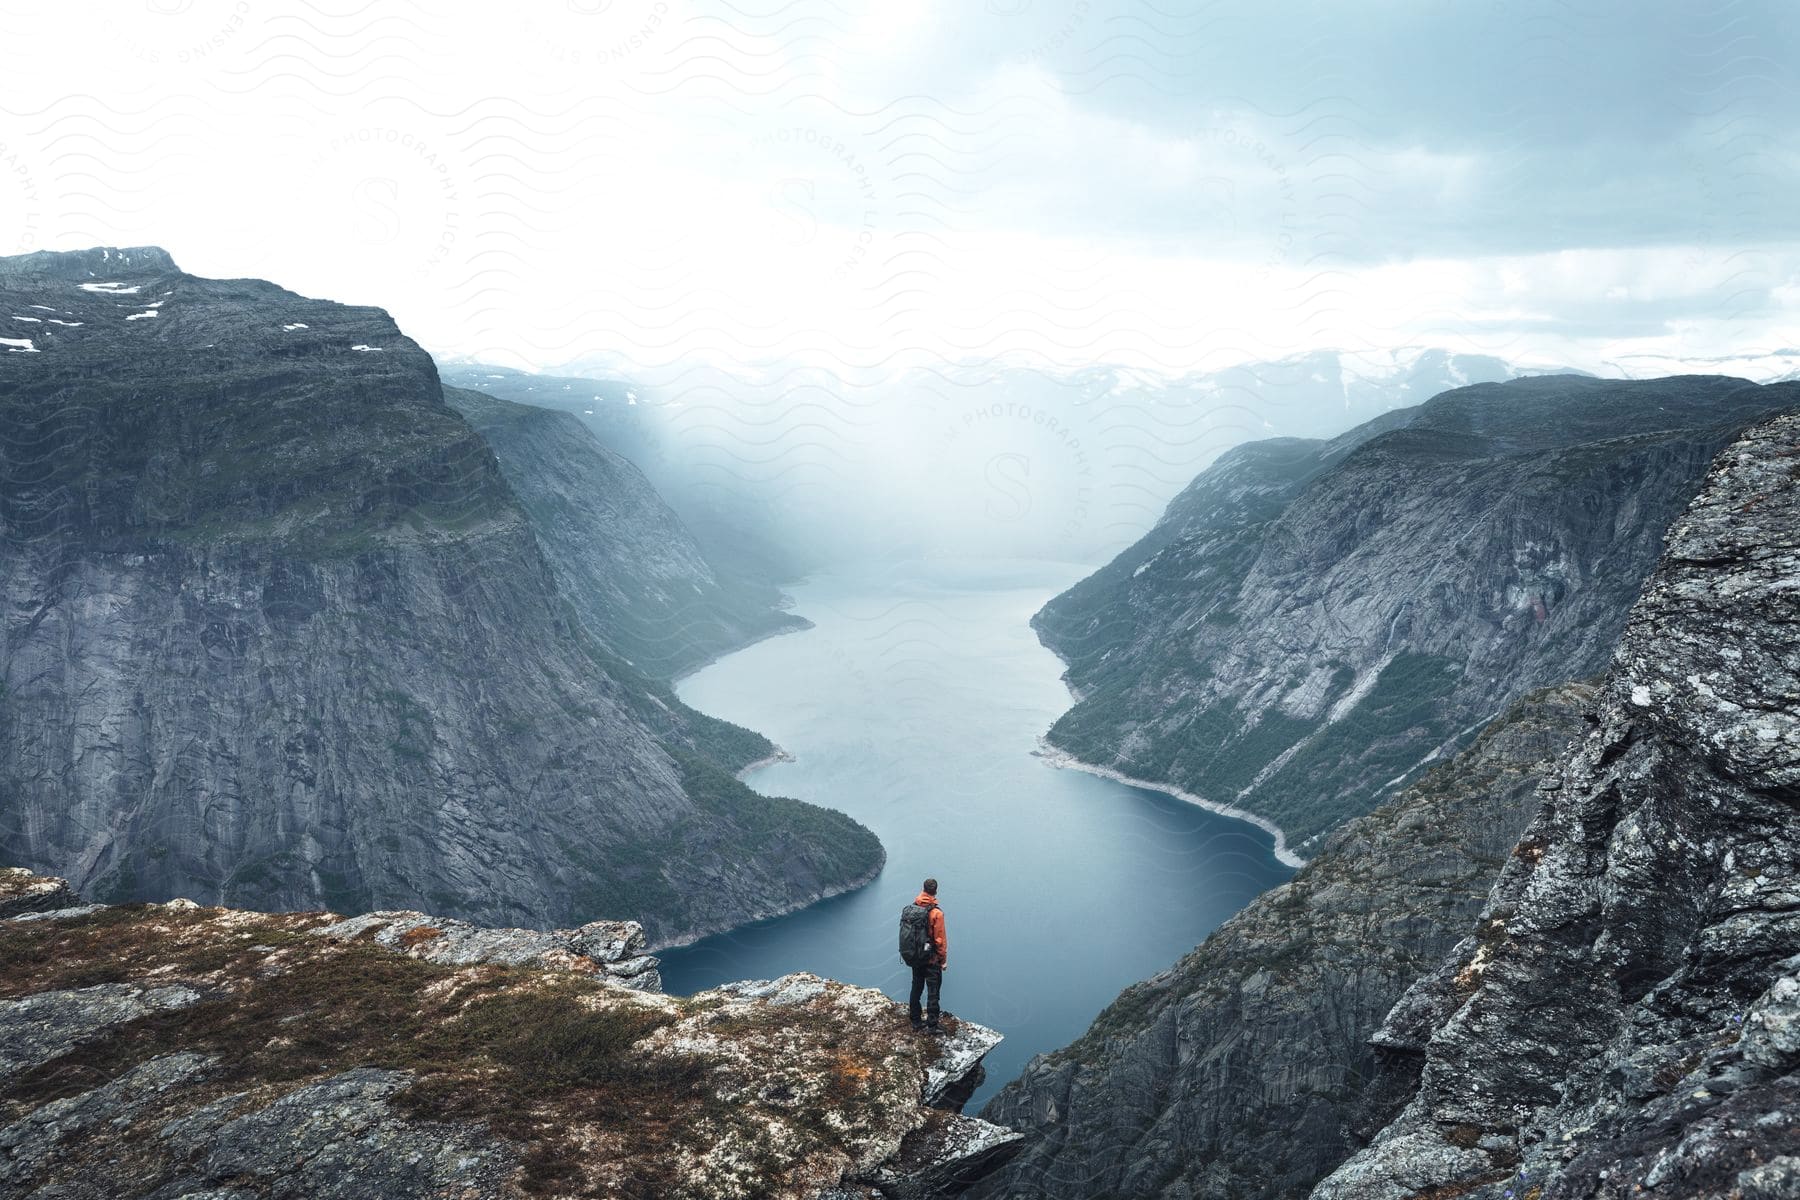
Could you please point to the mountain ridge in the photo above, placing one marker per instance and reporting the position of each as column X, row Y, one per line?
column 280, row 632
column 1322, row 619
column 1239, row 1070
column 641, row 582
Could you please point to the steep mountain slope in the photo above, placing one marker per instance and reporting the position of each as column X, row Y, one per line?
column 172, row 1050
column 278, row 632
column 1625, row 1019
column 1238, row 1074
column 1622, row 1021
column 740, row 526
column 620, row 554
column 1312, row 622
column 1217, row 522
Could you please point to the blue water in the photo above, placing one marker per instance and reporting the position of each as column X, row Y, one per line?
column 914, row 706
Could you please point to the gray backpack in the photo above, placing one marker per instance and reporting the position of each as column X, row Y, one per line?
column 916, row 946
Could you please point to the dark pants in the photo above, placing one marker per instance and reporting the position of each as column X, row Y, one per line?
column 929, row 976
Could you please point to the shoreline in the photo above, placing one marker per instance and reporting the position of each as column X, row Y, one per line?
column 1061, row 758
column 851, row 885
column 728, row 651
column 776, row 755
column 767, row 760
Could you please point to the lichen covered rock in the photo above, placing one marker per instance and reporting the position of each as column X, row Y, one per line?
column 1622, row 1021
column 609, row 948
column 23, row 891
column 180, row 1050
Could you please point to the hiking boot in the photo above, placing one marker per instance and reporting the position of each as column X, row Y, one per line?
column 934, row 1029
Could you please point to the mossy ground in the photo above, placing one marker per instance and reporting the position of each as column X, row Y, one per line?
column 689, row 1097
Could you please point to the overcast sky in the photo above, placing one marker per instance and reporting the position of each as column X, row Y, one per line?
column 1168, row 185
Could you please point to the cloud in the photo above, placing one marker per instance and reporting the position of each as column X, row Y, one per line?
column 863, row 184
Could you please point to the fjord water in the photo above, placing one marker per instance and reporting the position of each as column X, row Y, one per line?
column 914, row 706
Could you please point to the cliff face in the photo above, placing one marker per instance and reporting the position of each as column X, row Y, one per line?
column 278, row 632
column 620, row 554
column 1625, row 1019
column 1311, row 622
column 1239, row 1073
column 745, row 529
column 170, row 1050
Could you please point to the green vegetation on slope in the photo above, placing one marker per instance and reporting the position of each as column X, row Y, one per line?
column 1353, row 760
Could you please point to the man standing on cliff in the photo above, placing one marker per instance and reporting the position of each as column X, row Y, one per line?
column 925, row 948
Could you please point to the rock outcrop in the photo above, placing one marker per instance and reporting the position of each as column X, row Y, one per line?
column 613, row 950
column 1240, row 1072
column 174, row 1050
column 1625, row 1018
column 23, row 891
column 1311, row 623
column 278, row 632
column 623, row 558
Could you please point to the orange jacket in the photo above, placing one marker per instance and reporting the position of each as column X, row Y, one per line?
column 939, row 938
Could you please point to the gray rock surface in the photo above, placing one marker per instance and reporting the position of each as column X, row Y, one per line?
column 786, row 991
column 957, row 1072
column 624, row 559
column 338, row 1139
column 955, row 1069
column 23, row 891
column 944, row 1157
column 44, row 1026
column 291, row 1055
column 1312, row 622
column 34, row 1145
column 58, row 914
column 1241, row 1073
column 279, row 633
column 1623, row 1020
column 608, row 949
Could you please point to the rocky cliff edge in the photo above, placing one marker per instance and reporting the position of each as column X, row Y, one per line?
column 1624, row 1020
column 175, row 1050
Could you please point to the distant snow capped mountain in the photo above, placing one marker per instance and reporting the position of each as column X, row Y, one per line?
column 1320, row 392
column 1762, row 366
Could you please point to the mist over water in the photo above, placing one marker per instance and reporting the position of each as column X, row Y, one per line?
column 914, row 706
column 799, row 469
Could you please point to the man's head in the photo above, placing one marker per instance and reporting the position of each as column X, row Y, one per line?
column 931, row 887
